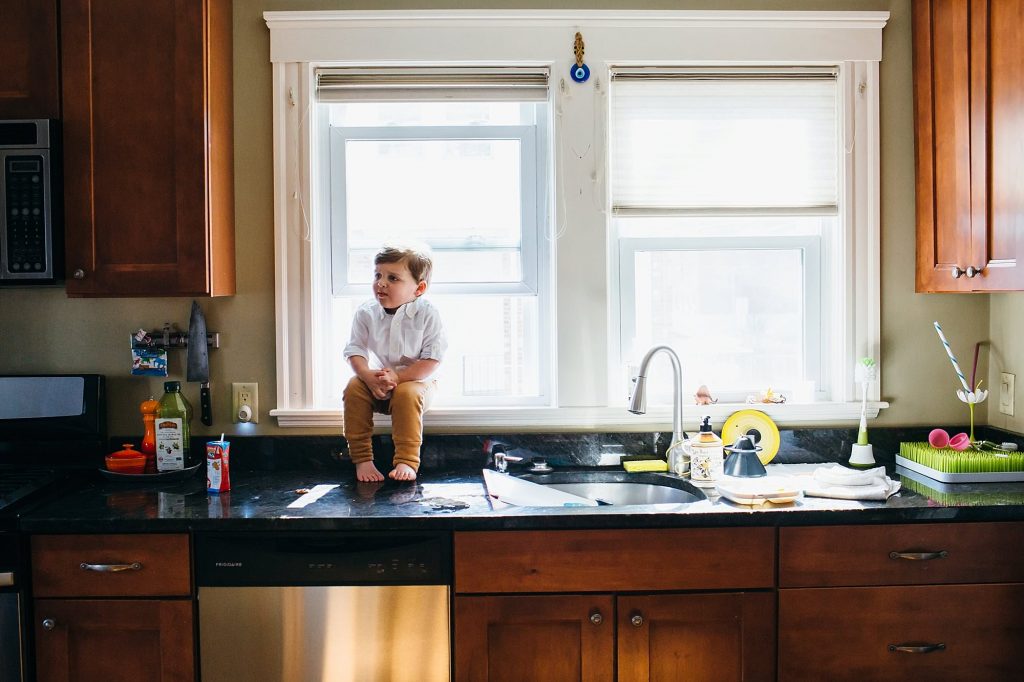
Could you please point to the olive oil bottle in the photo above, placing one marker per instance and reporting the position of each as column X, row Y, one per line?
column 172, row 429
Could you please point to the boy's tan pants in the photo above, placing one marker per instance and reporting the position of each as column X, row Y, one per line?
column 408, row 402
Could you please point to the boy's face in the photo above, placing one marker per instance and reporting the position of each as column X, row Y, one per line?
column 393, row 284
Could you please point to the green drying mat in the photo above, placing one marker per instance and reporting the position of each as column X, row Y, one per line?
column 970, row 466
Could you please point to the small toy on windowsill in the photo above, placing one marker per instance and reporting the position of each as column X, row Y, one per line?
column 703, row 396
column 769, row 396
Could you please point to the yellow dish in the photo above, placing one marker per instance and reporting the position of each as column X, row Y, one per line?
column 755, row 423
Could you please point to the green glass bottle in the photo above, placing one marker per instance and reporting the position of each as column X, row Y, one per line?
column 172, row 429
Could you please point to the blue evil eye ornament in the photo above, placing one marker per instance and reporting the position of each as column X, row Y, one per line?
column 580, row 73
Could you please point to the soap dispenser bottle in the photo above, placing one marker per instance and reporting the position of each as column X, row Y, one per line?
column 707, row 457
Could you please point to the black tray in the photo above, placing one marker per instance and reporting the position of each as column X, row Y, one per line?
column 159, row 477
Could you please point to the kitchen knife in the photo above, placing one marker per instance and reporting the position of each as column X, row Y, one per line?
column 199, row 361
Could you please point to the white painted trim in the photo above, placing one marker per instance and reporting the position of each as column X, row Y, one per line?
column 526, row 419
column 516, row 35
column 283, row 20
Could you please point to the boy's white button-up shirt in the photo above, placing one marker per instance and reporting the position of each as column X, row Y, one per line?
column 413, row 333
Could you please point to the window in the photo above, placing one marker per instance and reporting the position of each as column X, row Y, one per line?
column 456, row 159
column 569, row 235
column 726, row 221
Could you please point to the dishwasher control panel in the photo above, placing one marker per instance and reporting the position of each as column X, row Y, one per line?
column 327, row 558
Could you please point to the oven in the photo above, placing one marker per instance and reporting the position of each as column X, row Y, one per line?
column 50, row 426
column 31, row 217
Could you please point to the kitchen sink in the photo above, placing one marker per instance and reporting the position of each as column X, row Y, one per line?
column 620, row 488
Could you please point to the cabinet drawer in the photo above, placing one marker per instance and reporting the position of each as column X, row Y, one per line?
column 856, row 633
column 911, row 554
column 614, row 560
column 110, row 565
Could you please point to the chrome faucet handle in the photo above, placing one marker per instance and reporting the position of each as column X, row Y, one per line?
column 501, row 460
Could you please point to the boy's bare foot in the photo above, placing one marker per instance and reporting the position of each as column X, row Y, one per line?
column 403, row 472
column 367, row 471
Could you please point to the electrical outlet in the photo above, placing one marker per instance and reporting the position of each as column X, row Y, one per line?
column 243, row 395
column 1006, row 393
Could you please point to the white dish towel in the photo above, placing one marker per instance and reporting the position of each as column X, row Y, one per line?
column 851, row 484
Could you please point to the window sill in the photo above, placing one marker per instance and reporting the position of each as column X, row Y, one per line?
column 534, row 419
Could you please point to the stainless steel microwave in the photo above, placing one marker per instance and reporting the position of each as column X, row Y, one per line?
column 31, row 223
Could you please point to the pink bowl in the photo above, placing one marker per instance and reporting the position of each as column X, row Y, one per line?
column 960, row 441
column 938, row 438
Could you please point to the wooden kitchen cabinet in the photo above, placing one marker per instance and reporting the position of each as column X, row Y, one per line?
column 914, row 601
column 29, row 76
column 694, row 637
column 149, row 189
column 516, row 616
column 968, row 95
column 679, row 637
column 113, row 607
column 106, row 639
column 550, row 637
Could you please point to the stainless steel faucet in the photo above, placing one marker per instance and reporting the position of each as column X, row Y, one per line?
column 638, row 404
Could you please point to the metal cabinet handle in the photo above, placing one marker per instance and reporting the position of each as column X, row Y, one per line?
column 596, row 618
column 972, row 271
column 49, row 623
column 916, row 648
column 919, row 556
column 111, row 568
column 637, row 620
column 957, row 272
column 79, row 274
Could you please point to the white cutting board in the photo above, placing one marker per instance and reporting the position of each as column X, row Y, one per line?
column 512, row 490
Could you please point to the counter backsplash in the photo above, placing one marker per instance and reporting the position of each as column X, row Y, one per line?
column 446, row 452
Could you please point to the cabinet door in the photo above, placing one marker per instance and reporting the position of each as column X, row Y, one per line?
column 147, row 123
column 968, row 57
column 131, row 640
column 697, row 637
column 29, row 79
column 937, row 632
column 997, row 149
column 551, row 638
column 942, row 98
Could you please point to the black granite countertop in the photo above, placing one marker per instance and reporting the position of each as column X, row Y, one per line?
column 457, row 500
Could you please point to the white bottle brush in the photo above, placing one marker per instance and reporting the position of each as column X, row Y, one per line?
column 865, row 371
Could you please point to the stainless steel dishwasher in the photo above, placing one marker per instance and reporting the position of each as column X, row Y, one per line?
column 324, row 606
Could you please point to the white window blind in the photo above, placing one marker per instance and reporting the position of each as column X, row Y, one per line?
column 463, row 84
column 700, row 139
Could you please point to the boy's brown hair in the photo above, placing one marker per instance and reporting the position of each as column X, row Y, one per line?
column 416, row 259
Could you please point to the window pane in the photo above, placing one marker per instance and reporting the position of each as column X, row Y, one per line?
column 734, row 316
column 724, row 143
column 485, row 265
column 443, row 192
column 376, row 114
column 493, row 347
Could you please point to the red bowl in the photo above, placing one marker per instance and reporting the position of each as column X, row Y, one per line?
column 126, row 465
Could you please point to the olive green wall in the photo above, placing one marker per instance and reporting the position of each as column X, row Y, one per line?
column 41, row 330
column 1006, row 336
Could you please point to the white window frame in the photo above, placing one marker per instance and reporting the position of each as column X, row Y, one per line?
column 583, row 270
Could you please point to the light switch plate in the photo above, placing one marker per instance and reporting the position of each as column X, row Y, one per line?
column 1006, row 381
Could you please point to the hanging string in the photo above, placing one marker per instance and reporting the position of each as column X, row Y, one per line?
column 296, row 194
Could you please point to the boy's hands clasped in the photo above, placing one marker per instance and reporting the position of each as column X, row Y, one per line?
column 380, row 382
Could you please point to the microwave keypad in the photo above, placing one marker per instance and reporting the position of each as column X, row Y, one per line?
column 26, row 214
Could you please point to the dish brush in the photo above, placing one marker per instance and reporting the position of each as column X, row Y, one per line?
column 865, row 371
